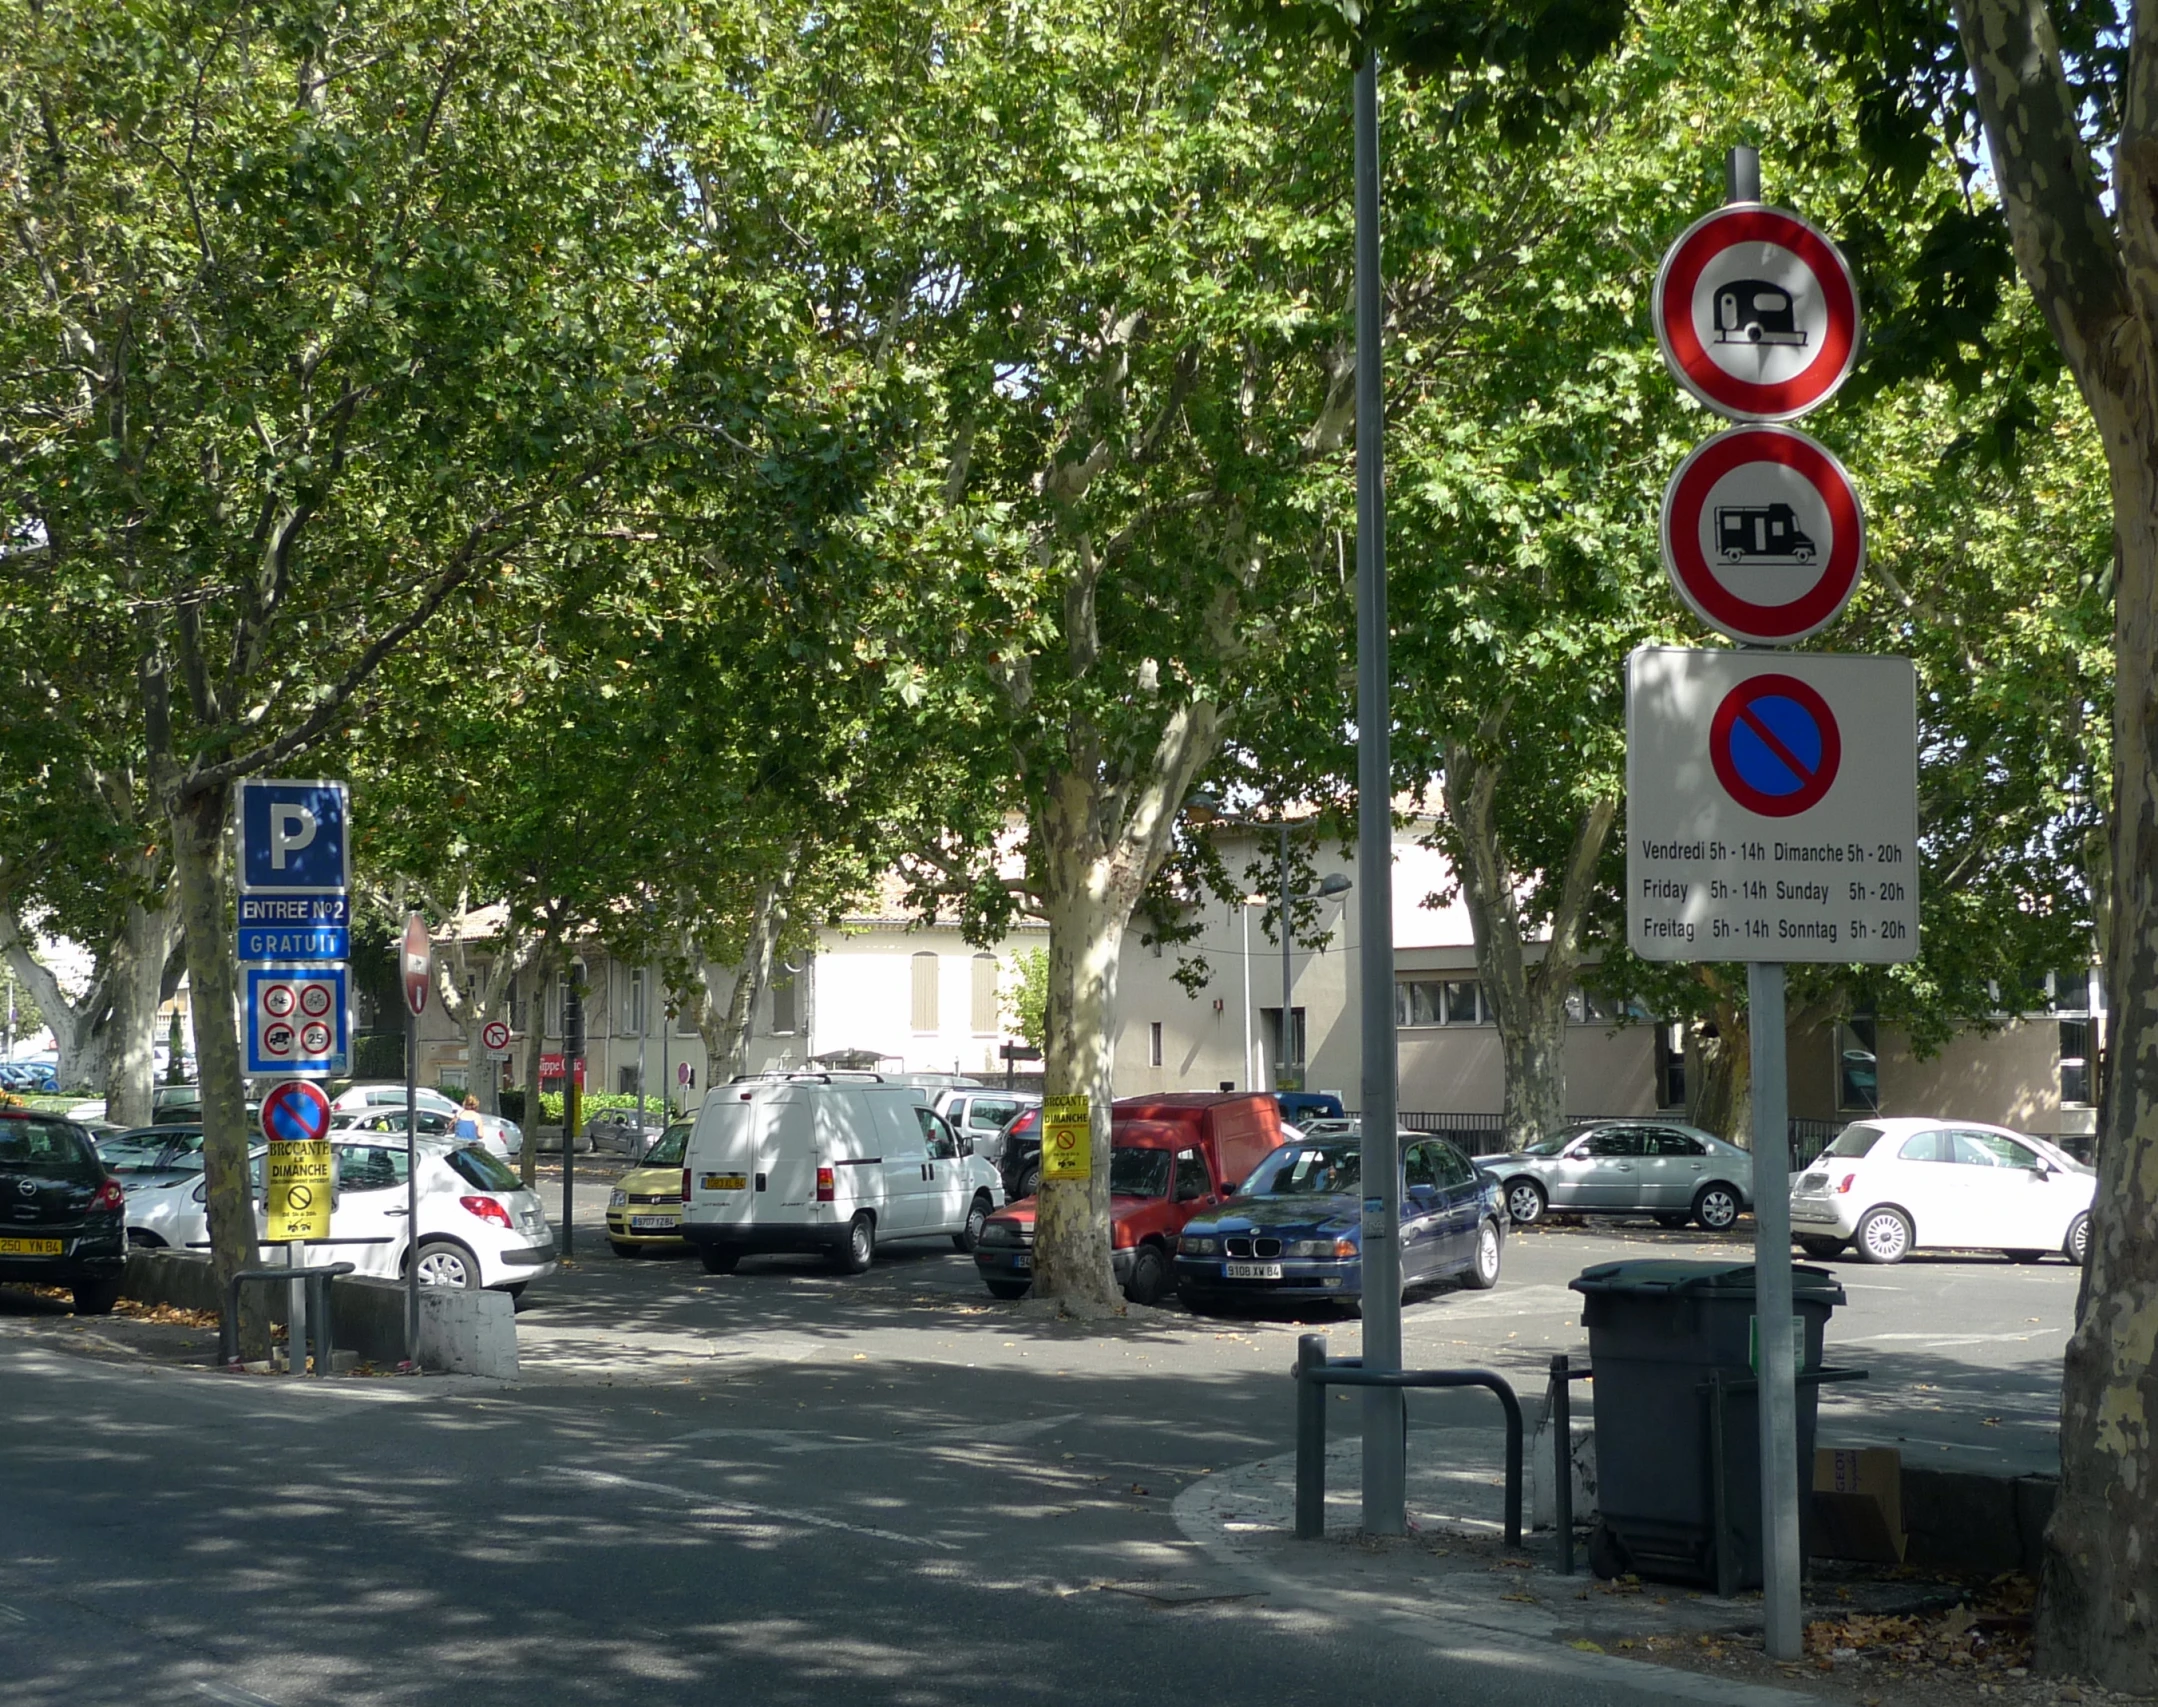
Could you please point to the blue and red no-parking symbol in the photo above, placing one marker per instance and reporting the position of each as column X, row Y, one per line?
column 295, row 1112
column 1775, row 746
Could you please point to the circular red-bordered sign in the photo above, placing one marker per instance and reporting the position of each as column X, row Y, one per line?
column 1775, row 746
column 295, row 1111
column 315, row 1000
column 1763, row 534
column 278, row 1000
column 1757, row 313
column 494, row 1035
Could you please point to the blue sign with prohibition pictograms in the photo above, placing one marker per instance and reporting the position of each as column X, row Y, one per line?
column 295, row 1112
column 1775, row 746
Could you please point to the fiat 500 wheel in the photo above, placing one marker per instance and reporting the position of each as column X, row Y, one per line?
column 1884, row 1236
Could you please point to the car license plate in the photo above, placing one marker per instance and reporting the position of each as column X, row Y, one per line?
column 726, row 1182
column 654, row 1223
column 1023, row 1264
column 31, row 1247
column 1251, row 1270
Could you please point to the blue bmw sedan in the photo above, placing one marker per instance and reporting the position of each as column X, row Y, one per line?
column 1295, row 1231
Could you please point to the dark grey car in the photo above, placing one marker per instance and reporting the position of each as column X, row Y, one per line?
column 1675, row 1172
column 62, row 1214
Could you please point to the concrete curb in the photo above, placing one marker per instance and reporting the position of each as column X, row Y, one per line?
column 1227, row 1516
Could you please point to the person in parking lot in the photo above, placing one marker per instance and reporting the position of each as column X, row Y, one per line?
column 467, row 1129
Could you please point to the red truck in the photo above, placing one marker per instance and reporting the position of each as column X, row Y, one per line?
column 1170, row 1157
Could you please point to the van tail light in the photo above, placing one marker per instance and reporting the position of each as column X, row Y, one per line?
column 685, row 1185
column 487, row 1209
column 110, row 1196
column 827, row 1186
column 1845, row 1184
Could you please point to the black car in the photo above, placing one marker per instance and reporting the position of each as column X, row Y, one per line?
column 1019, row 1157
column 63, row 1216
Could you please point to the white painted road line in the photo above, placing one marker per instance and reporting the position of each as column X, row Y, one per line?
column 696, row 1502
column 233, row 1696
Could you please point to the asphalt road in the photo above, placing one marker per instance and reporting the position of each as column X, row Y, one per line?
column 784, row 1486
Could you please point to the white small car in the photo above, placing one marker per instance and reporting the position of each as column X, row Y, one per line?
column 478, row 1225
column 1891, row 1186
column 501, row 1136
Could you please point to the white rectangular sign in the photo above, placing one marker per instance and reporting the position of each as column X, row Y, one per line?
column 1771, row 806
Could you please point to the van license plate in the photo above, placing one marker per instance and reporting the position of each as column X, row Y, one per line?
column 654, row 1223
column 1251, row 1270
column 726, row 1182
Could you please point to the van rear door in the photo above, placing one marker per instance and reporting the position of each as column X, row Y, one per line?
column 787, row 1154
column 722, row 1160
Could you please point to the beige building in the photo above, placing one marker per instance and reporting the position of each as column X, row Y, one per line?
column 883, row 988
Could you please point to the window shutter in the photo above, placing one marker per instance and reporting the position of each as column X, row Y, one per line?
column 985, row 994
column 925, row 992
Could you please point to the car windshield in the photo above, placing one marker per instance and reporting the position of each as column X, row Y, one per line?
column 49, row 1149
column 1138, row 1173
column 1854, row 1140
column 1553, row 1143
column 667, row 1153
column 480, row 1168
column 1306, row 1170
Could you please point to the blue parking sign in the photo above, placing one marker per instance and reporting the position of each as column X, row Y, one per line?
column 293, row 837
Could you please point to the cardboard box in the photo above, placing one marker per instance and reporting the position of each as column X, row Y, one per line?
column 1858, row 1504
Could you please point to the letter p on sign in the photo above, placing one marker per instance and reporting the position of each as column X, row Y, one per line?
column 292, row 827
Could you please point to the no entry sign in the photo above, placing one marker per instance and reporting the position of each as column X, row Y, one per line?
column 1757, row 313
column 1763, row 535
column 1772, row 806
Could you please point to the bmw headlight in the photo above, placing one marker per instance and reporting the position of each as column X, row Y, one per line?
column 1193, row 1246
column 1322, row 1248
column 615, row 1199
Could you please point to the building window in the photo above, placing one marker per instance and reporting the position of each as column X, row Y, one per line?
column 2076, row 1062
column 554, row 1006
column 628, row 1081
column 784, row 991
column 1671, row 1066
column 1584, row 1009
column 636, row 1015
column 685, row 1020
column 985, row 995
column 1270, row 1023
column 1438, row 1001
column 925, row 992
column 1858, row 1079
column 1153, row 1044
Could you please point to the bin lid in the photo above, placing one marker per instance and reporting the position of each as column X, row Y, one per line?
column 1655, row 1277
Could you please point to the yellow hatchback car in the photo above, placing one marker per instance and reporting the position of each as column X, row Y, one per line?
column 645, row 1211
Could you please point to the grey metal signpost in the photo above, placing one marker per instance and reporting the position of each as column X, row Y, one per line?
column 1756, row 831
column 1385, row 1448
column 416, row 963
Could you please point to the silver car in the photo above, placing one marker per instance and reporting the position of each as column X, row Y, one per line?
column 1674, row 1172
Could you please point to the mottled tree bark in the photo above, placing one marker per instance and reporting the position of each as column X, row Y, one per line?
column 2094, row 274
column 1527, row 998
column 727, row 1029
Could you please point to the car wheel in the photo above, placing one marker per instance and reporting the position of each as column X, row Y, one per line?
column 96, row 1297
column 719, row 1259
column 1009, row 1290
column 443, row 1263
column 1884, row 1236
column 622, row 1248
column 1607, row 1553
column 853, row 1254
column 1030, row 1181
column 2025, row 1256
column 2077, row 1246
column 1526, row 1202
column 1483, row 1273
column 1672, row 1220
column 1149, row 1276
column 142, row 1239
column 977, row 1218
column 1820, row 1248
column 1715, row 1207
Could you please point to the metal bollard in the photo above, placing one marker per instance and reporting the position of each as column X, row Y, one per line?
column 1310, row 1437
column 1562, row 1459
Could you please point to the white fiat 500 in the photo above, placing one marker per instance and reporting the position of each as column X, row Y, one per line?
column 1888, row 1187
column 478, row 1225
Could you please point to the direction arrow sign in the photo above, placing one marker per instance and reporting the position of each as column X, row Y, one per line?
column 1757, row 313
column 1763, row 535
column 296, row 1111
column 495, row 1039
column 1771, row 806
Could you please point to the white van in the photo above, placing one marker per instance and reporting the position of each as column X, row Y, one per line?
column 827, row 1162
